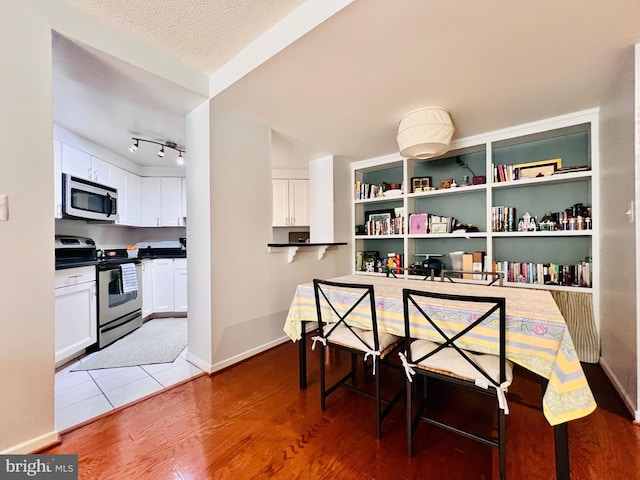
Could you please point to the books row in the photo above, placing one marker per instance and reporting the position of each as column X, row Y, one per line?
column 384, row 225
column 505, row 173
column 503, row 219
column 578, row 275
column 365, row 190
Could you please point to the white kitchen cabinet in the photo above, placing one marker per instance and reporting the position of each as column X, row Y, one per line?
column 57, row 179
column 76, row 162
column 171, row 201
column 75, row 312
column 150, row 203
column 161, row 202
column 147, row 288
column 131, row 206
column 180, row 284
column 103, row 172
column 162, row 281
column 84, row 165
column 290, row 202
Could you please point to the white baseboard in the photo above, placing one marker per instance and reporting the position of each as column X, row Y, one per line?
column 209, row 368
column 249, row 353
column 34, row 444
column 198, row 362
column 618, row 386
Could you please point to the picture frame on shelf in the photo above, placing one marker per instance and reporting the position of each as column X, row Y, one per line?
column 418, row 223
column 446, row 183
column 542, row 168
column 439, row 227
column 420, row 184
column 379, row 214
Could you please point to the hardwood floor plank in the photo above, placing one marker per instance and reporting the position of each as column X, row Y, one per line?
column 252, row 421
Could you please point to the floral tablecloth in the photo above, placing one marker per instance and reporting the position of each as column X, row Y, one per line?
column 537, row 336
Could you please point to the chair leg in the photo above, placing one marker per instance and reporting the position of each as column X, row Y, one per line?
column 502, row 447
column 376, row 363
column 409, row 415
column 322, row 379
column 353, row 368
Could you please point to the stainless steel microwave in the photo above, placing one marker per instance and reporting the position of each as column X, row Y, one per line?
column 89, row 200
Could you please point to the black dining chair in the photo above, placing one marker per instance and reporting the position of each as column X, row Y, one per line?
column 347, row 321
column 448, row 359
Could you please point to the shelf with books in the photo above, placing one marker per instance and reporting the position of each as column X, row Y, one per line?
column 577, row 275
column 563, row 150
column 556, row 178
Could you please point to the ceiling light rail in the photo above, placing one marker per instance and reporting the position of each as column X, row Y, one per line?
column 172, row 145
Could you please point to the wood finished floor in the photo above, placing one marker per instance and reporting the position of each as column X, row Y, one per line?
column 252, row 422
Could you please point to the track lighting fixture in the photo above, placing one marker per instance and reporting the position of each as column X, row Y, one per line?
column 172, row 145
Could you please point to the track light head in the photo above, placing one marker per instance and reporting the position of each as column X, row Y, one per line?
column 161, row 152
column 180, row 159
column 134, row 146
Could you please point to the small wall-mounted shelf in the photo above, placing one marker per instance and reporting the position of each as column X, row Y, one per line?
column 292, row 248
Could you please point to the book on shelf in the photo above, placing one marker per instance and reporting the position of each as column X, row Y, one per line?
column 568, row 275
column 363, row 191
column 503, row 219
column 504, row 173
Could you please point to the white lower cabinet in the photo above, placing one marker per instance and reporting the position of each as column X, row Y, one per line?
column 147, row 288
column 75, row 316
column 164, row 286
column 162, row 280
column 180, row 284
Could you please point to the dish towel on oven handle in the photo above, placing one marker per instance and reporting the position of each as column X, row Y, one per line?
column 129, row 277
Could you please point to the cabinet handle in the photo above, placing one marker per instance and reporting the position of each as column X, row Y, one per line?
column 157, row 221
column 89, row 174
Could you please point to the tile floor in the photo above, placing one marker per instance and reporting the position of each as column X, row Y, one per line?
column 83, row 395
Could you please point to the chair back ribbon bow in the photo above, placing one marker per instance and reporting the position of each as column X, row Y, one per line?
column 407, row 366
column 320, row 339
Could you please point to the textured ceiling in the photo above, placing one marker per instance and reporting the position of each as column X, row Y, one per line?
column 342, row 88
column 202, row 33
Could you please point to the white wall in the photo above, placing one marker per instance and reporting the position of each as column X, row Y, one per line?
column 321, row 189
column 199, row 231
column 26, row 264
column 617, row 236
column 251, row 288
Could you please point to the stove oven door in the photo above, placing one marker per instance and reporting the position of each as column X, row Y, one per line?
column 113, row 303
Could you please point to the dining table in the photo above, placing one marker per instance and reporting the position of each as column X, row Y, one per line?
column 537, row 339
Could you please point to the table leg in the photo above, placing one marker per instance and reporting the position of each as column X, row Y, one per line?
column 561, row 443
column 302, row 357
column 561, row 437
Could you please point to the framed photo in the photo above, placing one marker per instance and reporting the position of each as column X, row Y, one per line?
column 418, row 223
column 439, row 227
column 379, row 214
column 542, row 168
column 420, row 184
column 446, row 183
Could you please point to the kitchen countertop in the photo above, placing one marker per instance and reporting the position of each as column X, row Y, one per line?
column 92, row 263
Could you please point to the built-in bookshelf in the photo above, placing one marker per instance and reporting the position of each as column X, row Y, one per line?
column 524, row 196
